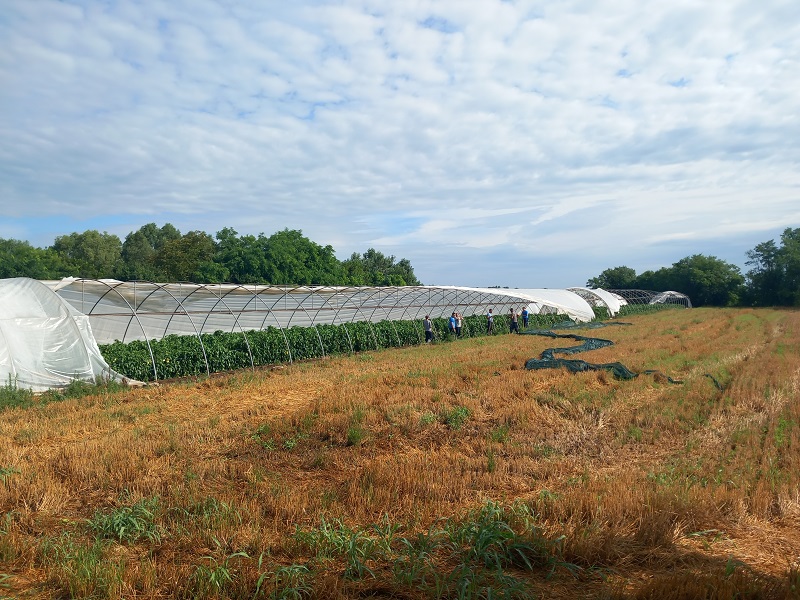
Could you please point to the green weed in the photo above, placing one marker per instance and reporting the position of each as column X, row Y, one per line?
column 80, row 569
column 491, row 465
column 290, row 582
column 499, row 434
column 129, row 523
column 355, row 435
column 13, row 396
column 6, row 472
column 212, row 580
column 427, row 418
column 456, row 417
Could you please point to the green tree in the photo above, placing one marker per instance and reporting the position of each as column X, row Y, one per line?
column 774, row 279
column 89, row 254
column 707, row 280
column 789, row 261
column 765, row 277
column 619, row 278
column 375, row 268
column 139, row 252
column 293, row 259
column 137, row 259
column 244, row 258
column 661, row 280
column 190, row 258
column 20, row 259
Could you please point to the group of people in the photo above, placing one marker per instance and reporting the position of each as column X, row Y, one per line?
column 456, row 320
column 453, row 325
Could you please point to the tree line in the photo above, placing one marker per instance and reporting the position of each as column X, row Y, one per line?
column 163, row 254
column 773, row 278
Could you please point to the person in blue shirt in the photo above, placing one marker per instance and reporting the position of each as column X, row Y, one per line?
column 452, row 324
column 525, row 317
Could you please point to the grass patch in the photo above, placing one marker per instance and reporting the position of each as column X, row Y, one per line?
column 128, row 523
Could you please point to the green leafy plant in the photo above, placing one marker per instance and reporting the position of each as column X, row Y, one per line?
column 181, row 356
column 129, row 523
column 499, row 434
column 289, row 582
column 81, row 569
column 456, row 417
column 6, row 472
column 11, row 395
column 213, row 579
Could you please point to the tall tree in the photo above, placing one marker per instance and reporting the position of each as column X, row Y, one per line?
column 708, row 280
column 139, row 252
column 375, row 268
column 190, row 258
column 20, row 259
column 789, row 260
column 620, row 278
column 293, row 259
column 765, row 277
column 89, row 254
column 244, row 258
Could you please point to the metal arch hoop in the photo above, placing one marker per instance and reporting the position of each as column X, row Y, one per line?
column 163, row 287
column 334, row 294
column 134, row 314
column 356, row 290
column 299, row 306
column 270, row 312
column 221, row 299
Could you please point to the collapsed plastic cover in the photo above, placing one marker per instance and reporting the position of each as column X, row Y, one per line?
column 44, row 342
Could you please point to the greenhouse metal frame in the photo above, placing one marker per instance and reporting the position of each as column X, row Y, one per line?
column 651, row 297
column 148, row 311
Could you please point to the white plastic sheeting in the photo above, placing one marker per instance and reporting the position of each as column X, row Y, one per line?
column 601, row 298
column 44, row 342
column 541, row 301
column 127, row 311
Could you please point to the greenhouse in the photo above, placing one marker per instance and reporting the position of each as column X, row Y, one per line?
column 44, row 342
column 650, row 297
column 294, row 318
column 126, row 311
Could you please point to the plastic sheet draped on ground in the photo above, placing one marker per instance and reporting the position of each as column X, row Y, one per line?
column 547, row 359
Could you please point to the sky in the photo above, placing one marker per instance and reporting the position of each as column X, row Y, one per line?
column 515, row 143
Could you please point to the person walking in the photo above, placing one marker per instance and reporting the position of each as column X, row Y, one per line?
column 514, row 325
column 490, row 323
column 428, row 329
column 459, row 323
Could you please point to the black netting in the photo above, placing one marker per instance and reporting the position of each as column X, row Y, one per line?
column 547, row 359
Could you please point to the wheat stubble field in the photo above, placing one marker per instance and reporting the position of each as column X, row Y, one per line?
column 443, row 471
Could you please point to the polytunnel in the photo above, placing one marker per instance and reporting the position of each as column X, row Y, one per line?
column 600, row 298
column 147, row 311
column 44, row 342
column 651, row 297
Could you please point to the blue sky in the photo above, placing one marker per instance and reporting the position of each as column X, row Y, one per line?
column 527, row 144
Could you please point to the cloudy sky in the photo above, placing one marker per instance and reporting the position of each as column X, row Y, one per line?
column 517, row 143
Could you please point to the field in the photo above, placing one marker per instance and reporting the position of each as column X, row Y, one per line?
column 441, row 471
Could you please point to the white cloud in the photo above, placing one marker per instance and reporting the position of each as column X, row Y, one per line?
column 494, row 129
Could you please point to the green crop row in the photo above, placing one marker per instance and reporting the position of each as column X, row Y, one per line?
column 644, row 309
column 183, row 355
